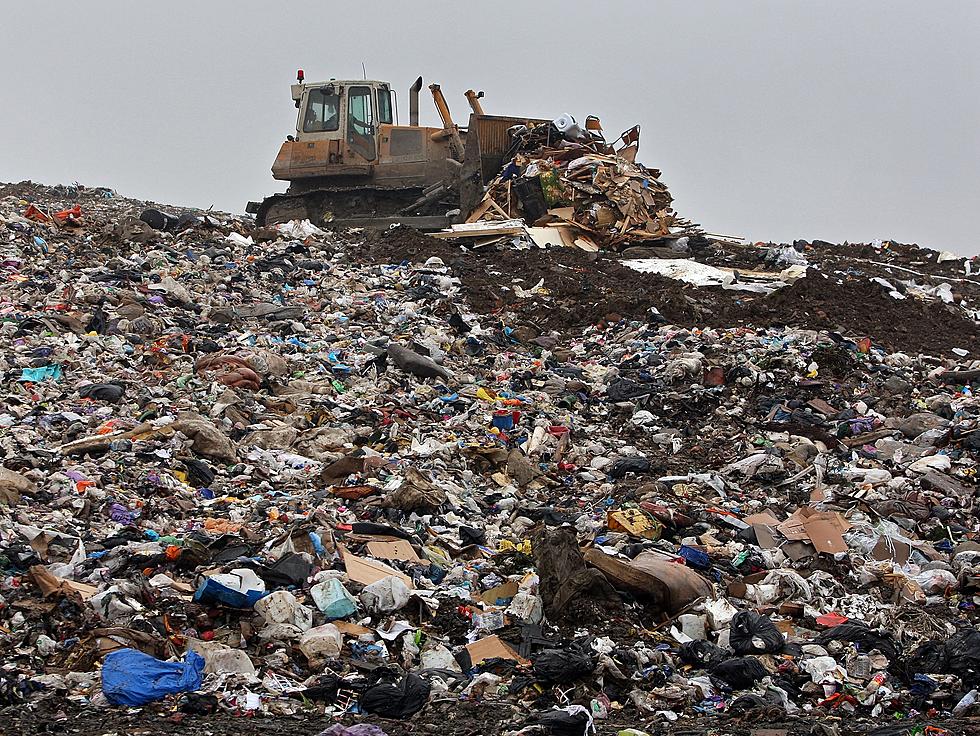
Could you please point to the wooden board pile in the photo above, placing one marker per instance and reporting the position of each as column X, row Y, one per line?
column 581, row 194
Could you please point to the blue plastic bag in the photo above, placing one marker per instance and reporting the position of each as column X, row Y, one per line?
column 333, row 599
column 37, row 375
column 130, row 677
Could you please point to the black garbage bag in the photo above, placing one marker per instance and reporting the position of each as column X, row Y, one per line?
column 565, row 723
column 748, row 703
column 562, row 665
column 468, row 535
column 529, row 192
column 753, row 633
column 963, row 653
column 324, row 688
column 929, row 657
column 110, row 392
column 861, row 634
column 739, row 673
column 624, row 389
column 626, row 465
column 97, row 322
column 159, row 220
column 370, row 527
column 458, row 324
column 959, row 655
column 396, row 700
column 199, row 473
column 294, row 568
column 198, row 704
column 701, row 653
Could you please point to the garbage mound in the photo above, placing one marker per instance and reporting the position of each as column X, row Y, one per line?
column 572, row 188
column 350, row 484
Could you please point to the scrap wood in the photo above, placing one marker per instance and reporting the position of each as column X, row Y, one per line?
column 598, row 179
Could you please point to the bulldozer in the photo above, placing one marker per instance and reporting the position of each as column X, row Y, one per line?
column 351, row 163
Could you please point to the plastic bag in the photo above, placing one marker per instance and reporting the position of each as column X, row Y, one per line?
column 865, row 637
column 752, row 633
column 959, row 655
column 386, row 595
column 573, row 720
column 358, row 729
column 739, row 673
column 130, row 677
column 282, row 607
column 562, row 665
column 639, row 465
column 321, row 642
column 702, row 653
column 332, row 598
column 935, row 582
column 400, row 700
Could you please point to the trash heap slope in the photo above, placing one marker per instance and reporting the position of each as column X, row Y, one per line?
column 381, row 484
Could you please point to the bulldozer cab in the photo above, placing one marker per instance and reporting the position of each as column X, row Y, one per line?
column 345, row 115
column 349, row 159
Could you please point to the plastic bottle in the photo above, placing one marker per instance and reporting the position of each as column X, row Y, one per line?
column 861, row 667
column 867, row 695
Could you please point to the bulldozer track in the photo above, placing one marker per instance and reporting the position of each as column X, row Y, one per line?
column 324, row 204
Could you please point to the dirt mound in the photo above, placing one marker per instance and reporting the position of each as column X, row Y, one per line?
column 582, row 289
column 857, row 306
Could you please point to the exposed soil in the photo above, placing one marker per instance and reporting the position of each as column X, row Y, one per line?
column 585, row 289
column 447, row 718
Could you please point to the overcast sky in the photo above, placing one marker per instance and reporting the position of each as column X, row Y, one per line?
column 773, row 120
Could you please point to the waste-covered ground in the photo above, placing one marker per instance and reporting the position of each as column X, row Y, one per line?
column 300, row 481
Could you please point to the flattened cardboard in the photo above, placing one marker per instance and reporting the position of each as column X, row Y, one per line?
column 793, row 529
column 490, row 647
column 834, row 517
column 797, row 551
column 365, row 571
column 825, row 536
column 346, row 627
column 49, row 584
column 829, row 527
column 400, row 549
column 889, row 548
column 764, row 517
column 764, row 536
column 507, row 590
column 545, row 236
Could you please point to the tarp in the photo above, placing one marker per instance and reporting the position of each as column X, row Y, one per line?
column 130, row 677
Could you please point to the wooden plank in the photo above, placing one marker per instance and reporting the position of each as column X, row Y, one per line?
column 481, row 210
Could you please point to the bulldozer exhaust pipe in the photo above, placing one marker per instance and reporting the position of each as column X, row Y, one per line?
column 413, row 102
column 474, row 100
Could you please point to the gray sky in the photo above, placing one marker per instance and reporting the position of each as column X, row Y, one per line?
column 771, row 120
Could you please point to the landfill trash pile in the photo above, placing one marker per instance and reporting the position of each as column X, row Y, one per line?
column 351, row 484
column 575, row 190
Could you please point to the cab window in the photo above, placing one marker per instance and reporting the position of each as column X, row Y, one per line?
column 384, row 106
column 359, row 117
column 322, row 111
